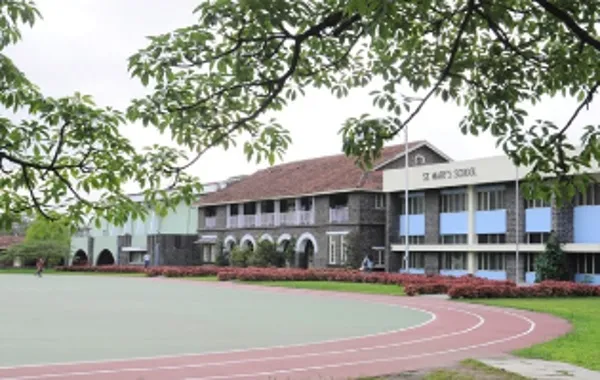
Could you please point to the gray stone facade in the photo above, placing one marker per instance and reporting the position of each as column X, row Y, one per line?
column 432, row 216
column 174, row 250
column 511, row 214
column 562, row 222
column 364, row 219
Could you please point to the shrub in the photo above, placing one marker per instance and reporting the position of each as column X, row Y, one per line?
column 542, row 289
column 222, row 257
column 239, row 257
column 265, row 255
column 552, row 263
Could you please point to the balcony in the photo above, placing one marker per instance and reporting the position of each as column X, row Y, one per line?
column 306, row 217
column 233, row 221
column 339, row 215
column 249, row 221
column 287, row 218
column 267, row 220
column 210, row 222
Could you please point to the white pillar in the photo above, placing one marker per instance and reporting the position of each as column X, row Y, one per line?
column 277, row 211
column 297, row 208
column 227, row 213
column 258, row 214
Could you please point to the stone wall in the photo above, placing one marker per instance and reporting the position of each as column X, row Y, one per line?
column 511, row 214
column 432, row 216
column 562, row 222
column 123, row 241
column 174, row 250
column 392, row 228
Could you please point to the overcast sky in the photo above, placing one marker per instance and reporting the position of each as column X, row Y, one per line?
column 83, row 45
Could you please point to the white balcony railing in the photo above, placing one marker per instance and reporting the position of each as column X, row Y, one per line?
column 287, row 218
column 267, row 220
column 306, row 217
column 249, row 221
column 210, row 222
column 338, row 215
column 232, row 221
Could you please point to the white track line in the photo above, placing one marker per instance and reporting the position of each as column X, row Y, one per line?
column 481, row 322
column 382, row 360
column 432, row 318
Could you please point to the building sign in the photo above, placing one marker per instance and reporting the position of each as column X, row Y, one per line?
column 449, row 174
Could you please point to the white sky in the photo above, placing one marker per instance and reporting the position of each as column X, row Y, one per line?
column 83, row 45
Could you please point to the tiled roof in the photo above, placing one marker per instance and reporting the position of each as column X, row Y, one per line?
column 8, row 240
column 327, row 174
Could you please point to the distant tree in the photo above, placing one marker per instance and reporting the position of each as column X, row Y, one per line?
column 44, row 230
column 53, row 252
column 552, row 263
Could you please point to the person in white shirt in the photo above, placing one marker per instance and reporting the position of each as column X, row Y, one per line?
column 367, row 264
column 146, row 260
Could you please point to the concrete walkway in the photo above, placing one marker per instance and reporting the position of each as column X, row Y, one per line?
column 541, row 369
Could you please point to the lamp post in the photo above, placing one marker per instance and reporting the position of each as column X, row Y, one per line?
column 406, row 235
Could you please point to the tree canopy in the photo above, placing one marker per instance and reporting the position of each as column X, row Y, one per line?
column 67, row 155
column 215, row 80
column 213, row 83
column 44, row 230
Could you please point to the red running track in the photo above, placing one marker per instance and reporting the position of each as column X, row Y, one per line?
column 458, row 331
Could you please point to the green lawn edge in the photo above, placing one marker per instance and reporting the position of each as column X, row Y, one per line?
column 580, row 346
column 348, row 287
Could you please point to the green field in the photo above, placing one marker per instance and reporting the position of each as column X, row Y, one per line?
column 580, row 347
column 351, row 287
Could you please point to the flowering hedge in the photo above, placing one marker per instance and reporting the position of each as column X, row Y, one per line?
column 181, row 271
column 543, row 289
column 167, row 271
column 102, row 269
column 441, row 285
column 414, row 284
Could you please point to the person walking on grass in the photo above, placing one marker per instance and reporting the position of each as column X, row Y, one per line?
column 40, row 267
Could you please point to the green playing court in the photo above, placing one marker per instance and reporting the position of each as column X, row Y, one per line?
column 87, row 318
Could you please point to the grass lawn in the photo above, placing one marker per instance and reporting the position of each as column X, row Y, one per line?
column 581, row 346
column 352, row 287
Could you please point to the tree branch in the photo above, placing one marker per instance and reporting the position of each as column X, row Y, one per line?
column 570, row 23
column 446, row 71
column 36, row 202
column 59, row 146
column 586, row 102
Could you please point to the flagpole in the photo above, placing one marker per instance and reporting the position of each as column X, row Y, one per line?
column 406, row 247
column 517, row 229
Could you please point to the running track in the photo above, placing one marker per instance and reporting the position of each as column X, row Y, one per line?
column 454, row 332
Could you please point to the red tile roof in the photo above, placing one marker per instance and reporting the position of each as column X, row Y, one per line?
column 327, row 174
column 8, row 240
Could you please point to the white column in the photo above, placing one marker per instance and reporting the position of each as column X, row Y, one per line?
column 227, row 213
column 277, row 212
column 297, row 208
column 258, row 214
column 471, row 236
column 312, row 210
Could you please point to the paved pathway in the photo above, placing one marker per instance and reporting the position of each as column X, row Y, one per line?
column 541, row 369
